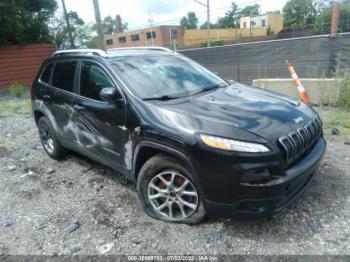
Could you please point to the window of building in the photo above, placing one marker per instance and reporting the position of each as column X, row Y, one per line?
column 244, row 24
column 63, row 75
column 45, row 76
column 109, row 41
column 135, row 38
column 92, row 80
column 122, row 40
column 263, row 23
column 150, row 35
column 173, row 33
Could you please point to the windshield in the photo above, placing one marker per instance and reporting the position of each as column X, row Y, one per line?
column 165, row 76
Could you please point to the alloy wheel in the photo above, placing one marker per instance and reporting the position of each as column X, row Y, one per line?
column 172, row 195
column 46, row 138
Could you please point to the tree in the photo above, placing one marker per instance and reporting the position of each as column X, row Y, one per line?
column 231, row 18
column 323, row 20
column 225, row 22
column 25, row 22
column 251, row 10
column 212, row 26
column 81, row 32
column 109, row 25
column 299, row 13
column 189, row 22
column 321, row 4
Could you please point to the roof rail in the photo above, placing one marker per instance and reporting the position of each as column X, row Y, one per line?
column 80, row 52
column 155, row 48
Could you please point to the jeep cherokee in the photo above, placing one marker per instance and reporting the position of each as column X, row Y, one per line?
column 194, row 144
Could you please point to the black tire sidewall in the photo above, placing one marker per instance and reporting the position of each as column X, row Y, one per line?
column 58, row 151
column 150, row 169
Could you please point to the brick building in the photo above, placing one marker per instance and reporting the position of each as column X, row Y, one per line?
column 155, row 36
column 271, row 20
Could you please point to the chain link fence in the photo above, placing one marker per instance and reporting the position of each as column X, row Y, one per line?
column 312, row 57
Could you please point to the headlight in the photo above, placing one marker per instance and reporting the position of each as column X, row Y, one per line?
column 233, row 145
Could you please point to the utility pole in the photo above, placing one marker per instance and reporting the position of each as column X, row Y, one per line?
column 250, row 23
column 335, row 19
column 208, row 22
column 101, row 42
column 71, row 40
column 150, row 20
column 208, row 19
column 172, row 38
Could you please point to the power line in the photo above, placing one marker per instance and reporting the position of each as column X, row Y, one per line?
column 199, row 14
column 208, row 18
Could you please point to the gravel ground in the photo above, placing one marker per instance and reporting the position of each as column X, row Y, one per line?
column 76, row 206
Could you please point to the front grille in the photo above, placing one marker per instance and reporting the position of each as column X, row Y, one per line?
column 296, row 143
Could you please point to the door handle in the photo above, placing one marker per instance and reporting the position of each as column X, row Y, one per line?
column 78, row 107
column 46, row 99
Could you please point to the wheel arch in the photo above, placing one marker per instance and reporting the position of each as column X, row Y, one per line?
column 37, row 115
column 146, row 149
column 43, row 111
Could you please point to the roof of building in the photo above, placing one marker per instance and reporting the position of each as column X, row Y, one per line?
column 145, row 29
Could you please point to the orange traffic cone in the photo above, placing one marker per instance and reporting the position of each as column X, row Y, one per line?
column 301, row 89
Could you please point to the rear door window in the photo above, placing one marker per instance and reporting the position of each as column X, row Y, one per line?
column 92, row 80
column 63, row 75
column 45, row 76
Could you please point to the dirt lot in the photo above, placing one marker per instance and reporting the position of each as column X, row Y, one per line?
column 76, row 206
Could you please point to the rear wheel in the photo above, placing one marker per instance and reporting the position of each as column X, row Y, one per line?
column 167, row 191
column 49, row 140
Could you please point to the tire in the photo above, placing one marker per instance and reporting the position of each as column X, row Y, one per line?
column 176, row 205
column 53, row 147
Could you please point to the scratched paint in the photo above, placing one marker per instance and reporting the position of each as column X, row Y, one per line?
column 82, row 135
column 128, row 153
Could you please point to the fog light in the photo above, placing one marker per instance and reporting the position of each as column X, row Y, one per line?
column 256, row 176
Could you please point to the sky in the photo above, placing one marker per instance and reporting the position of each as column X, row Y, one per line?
column 137, row 12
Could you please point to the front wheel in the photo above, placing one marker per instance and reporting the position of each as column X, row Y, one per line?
column 167, row 191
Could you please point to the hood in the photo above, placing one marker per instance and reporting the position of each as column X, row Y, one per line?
column 260, row 112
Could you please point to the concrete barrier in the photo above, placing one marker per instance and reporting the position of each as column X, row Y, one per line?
column 325, row 91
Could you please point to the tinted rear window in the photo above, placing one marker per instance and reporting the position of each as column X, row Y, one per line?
column 63, row 75
column 45, row 76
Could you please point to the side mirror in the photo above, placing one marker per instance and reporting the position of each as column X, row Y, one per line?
column 111, row 95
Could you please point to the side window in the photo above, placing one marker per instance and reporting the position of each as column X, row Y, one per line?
column 45, row 75
column 63, row 75
column 92, row 80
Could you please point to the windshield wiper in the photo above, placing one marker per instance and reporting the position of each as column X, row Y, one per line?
column 207, row 89
column 161, row 98
column 169, row 97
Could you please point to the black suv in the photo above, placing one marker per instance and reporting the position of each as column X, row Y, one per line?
column 195, row 144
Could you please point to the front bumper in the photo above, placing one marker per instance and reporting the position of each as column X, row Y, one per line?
column 264, row 200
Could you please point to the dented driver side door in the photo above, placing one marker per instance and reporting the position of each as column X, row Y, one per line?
column 102, row 134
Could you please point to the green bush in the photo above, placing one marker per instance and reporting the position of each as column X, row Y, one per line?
column 218, row 43
column 213, row 43
column 344, row 93
column 16, row 89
